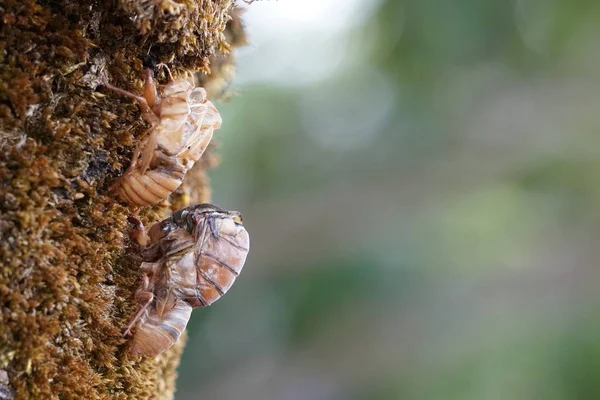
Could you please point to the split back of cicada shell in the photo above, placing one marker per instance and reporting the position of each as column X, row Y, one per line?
column 204, row 119
column 222, row 247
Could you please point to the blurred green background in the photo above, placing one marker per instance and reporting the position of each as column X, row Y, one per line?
column 421, row 182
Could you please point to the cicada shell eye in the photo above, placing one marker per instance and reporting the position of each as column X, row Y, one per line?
column 198, row 95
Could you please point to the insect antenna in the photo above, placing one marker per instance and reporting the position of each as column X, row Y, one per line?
column 163, row 65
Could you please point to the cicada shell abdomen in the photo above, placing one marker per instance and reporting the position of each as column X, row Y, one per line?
column 144, row 188
column 156, row 333
column 220, row 256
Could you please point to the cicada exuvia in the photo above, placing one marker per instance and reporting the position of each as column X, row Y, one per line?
column 190, row 260
column 182, row 122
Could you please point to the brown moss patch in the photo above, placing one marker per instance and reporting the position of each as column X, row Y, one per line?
column 67, row 268
column 190, row 30
column 223, row 63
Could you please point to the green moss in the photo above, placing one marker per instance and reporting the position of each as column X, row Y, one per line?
column 67, row 270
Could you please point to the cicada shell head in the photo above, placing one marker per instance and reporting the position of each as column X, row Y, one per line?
column 222, row 247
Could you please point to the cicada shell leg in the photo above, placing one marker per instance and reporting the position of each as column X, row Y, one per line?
column 175, row 242
column 145, row 297
column 149, row 250
column 146, row 104
column 134, row 186
column 138, row 233
column 142, row 146
column 150, row 92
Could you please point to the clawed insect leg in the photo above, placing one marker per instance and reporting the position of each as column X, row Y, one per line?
column 150, row 93
column 142, row 292
column 138, row 233
column 147, row 297
column 135, row 160
column 115, row 186
column 147, row 269
column 145, row 105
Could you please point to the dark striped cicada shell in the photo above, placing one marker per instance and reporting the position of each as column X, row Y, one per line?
column 191, row 260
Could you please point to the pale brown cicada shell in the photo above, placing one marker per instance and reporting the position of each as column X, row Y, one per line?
column 190, row 260
column 182, row 124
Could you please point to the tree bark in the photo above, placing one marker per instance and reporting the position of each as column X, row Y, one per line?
column 68, row 270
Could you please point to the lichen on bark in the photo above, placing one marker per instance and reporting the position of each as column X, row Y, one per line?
column 67, row 268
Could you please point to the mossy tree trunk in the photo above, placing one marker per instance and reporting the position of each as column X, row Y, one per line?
column 67, row 269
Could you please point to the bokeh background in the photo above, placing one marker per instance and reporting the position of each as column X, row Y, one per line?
column 421, row 181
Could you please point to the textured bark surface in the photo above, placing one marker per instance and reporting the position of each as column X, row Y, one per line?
column 67, row 268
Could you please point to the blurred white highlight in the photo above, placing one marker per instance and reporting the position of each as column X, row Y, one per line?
column 298, row 42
